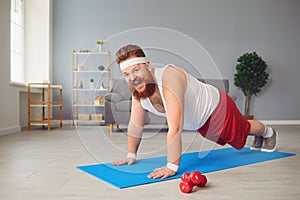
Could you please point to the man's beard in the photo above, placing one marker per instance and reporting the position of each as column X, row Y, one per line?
column 148, row 92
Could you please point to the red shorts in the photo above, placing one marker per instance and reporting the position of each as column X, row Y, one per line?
column 226, row 124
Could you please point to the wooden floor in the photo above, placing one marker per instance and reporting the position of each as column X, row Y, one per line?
column 42, row 165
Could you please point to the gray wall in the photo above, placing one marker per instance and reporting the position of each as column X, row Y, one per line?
column 225, row 28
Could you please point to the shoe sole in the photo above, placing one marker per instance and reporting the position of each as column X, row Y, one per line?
column 255, row 149
column 271, row 150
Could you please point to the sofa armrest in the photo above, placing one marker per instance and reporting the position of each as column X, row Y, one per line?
column 113, row 97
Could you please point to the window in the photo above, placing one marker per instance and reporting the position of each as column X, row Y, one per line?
column 30, row 43
column 17, row 58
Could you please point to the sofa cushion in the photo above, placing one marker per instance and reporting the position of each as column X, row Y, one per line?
column 120, row 86
column 124, row 105
column 114, row 97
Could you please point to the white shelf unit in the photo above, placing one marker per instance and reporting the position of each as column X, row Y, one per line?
column 87, row 98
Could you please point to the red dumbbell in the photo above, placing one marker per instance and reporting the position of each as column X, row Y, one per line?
column 185, row 187
column 203, row 181
column 189, row 180
column 195, row 177
column 186, row 177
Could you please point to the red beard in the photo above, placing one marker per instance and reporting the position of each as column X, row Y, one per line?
column 148, row 92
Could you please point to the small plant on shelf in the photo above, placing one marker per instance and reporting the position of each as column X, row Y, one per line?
column 100, row 43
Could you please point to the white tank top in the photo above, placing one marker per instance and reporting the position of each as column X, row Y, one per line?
column 200, row 100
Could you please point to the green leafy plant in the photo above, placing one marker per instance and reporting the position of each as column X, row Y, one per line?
column 250, row 76
column 100, row 42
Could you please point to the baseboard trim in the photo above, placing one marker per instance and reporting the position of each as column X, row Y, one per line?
column 68, row 122
column 281, row 122
column 10, row 130
column 269, row 122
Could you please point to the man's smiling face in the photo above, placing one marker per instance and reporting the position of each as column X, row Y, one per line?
column 140, row 80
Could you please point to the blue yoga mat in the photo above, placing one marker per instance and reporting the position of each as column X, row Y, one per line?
column 208, row 161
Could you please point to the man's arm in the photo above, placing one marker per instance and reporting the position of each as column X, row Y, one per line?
column 135, row 130
column 174, row 82
column 135, row 126
column 174, row 86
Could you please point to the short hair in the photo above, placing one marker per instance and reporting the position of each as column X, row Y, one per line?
column 129, row 51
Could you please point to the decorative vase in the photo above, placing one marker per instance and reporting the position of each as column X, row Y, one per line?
column 100, row 48
column 101, row 67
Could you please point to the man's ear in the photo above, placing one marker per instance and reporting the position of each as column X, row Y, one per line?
column 148, row 65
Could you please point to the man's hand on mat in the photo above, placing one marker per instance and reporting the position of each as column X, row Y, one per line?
column 163, row 172
column 128, row 161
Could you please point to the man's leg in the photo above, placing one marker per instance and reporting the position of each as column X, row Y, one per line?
column 265, row 138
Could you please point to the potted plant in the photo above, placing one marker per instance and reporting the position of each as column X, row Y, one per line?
column 250, row 76
column 100, row 43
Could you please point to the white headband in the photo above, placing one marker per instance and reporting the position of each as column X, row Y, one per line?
column 132, row 61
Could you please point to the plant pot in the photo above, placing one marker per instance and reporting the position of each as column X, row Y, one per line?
column 249, row 117
column 100, row 48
